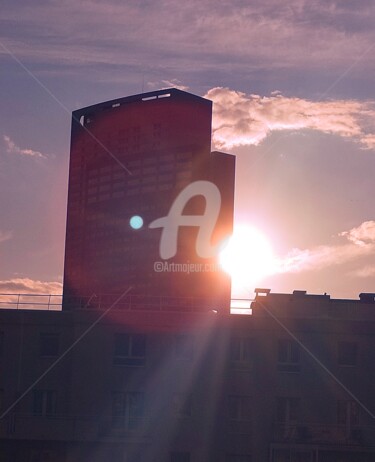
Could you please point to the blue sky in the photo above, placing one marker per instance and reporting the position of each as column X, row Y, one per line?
column 293, row 90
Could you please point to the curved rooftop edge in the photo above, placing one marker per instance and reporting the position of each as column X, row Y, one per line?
column 174, row 93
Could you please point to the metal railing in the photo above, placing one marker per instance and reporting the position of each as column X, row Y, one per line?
column 136, row 302
column 52, row 302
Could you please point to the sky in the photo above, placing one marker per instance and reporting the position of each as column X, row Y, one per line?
column 294, row 99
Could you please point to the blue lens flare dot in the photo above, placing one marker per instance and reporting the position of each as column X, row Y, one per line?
column 136, row 222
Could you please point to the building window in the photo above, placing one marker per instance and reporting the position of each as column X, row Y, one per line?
column 180, row 457
column 127, row 410
column 347, row 413
column 44, row 402
column 184, row 346
column 166, row 167
column 288, row 355
column 239, row 408
column 130, row 349
column 49, row 344
column 240, row 349
column 182, row 405
column 238, row 458
column 42, row 455
column 292, row 455
column 130, row 456
column 347, row 353
column 287, row 410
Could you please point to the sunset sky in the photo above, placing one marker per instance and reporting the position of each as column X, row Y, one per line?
column 294, row 99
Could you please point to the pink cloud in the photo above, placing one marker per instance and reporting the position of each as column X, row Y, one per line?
column 12, row 148
column 365, row 272
column 320, row 257
column 240, row 119
column 238, row 35
column 5, row 235
column 30, row 286
column 360, row 243
column 361, row 235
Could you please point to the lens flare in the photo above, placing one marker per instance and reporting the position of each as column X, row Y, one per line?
column 136, row 222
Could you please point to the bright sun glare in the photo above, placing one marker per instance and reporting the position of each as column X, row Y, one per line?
column 247, row 257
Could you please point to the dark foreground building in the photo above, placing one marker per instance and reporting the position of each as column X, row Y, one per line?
column 293, row 382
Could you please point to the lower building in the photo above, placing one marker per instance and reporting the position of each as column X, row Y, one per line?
column 292, row 382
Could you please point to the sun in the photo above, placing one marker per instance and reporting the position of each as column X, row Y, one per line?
column 247, row 257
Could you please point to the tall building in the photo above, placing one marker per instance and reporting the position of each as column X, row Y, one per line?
column 131, row 160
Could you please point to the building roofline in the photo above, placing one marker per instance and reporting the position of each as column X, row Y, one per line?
column 141, row 97
column 299, row 295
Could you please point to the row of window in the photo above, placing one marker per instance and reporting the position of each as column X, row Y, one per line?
column 130, row 350
column 133, row 191
column 185, row 457
column 288, row 411
column 138, row 167
column 93, row 189
column 128, row 408
column 141, row 166
column 289, row 353
column 129, row 411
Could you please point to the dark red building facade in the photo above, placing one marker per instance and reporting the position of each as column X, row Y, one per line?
column 133, row 158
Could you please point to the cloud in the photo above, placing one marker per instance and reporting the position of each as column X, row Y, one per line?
column 362, row 235
column 30, row 286
column 365, row 272
column 5, row 235
column 240, row 119
column 175, row 83
column 12, row 148
column 162, row 84
column 360, row 242
column 224, row 35
column 320, row 257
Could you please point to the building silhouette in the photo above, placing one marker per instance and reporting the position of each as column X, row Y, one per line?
column 292, row 382
column 163, row 372
column 132, row 157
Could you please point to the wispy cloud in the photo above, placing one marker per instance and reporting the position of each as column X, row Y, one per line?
column 361, row 235
column 365, row 272
column 30, row 286
column 12, row 148
column 298, row 260
column 174, row 83
column 240, row 119
column 231, row 35
column 5, row 235
column 360, row 242
column 165, row 83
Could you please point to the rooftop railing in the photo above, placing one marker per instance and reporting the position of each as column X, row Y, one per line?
column 53, row 302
